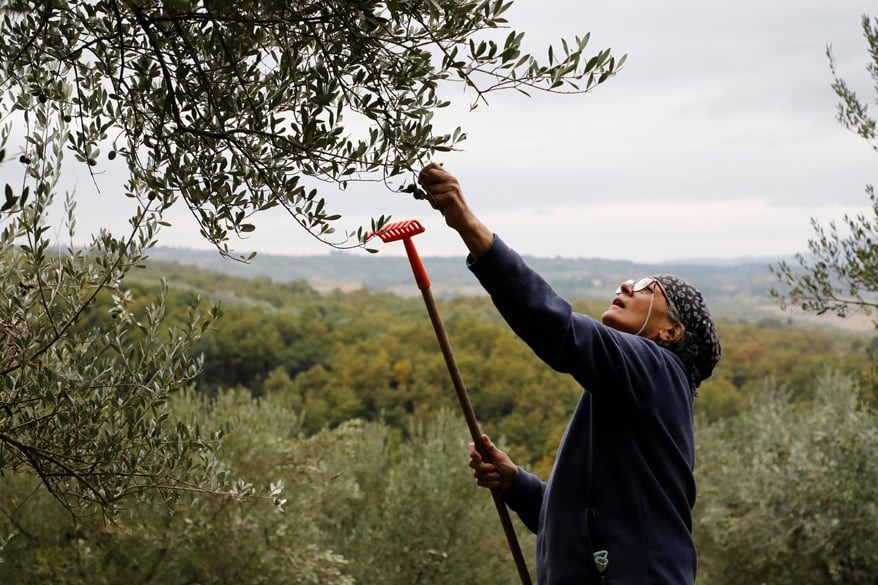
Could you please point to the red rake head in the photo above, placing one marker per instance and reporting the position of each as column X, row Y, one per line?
column 399, row 230
column 404, row 230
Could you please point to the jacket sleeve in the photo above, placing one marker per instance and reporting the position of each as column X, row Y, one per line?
column 525, row 498
column 569, row 342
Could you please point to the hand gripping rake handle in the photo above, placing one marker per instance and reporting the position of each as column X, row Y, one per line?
column 404, row 230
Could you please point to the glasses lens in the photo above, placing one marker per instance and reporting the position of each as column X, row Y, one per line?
column 619, row 290
column 642, row 284
column 637, row 285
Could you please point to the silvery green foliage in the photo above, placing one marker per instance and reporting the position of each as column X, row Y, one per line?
column 786, row 490
column 228, row 109
column 212, row 539
column 366, row 506
column 83, row 400
column 418, row 516
column 839, row 274
column 231, row 107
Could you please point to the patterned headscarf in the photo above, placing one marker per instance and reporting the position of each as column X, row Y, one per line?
column 699, row 349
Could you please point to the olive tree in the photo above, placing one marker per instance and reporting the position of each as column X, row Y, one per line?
column 84, row 407
column 786, row 492
column 228, row 106
column 839, row 274
column 228, row 109
column 368, row 508
column 805, row 476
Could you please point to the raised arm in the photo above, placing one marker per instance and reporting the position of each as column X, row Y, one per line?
column 445, row 194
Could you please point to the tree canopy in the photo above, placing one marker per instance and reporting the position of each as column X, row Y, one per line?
column 231, row 107
column 839, row 273
column 228, row 109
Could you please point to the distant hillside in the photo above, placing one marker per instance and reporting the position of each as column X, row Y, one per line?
column 586, row 278
column 733, row 290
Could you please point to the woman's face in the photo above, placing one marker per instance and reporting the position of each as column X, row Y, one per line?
column 630, row 310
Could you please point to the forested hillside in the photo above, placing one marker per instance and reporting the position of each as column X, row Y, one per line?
column 736, row 289
column 367, row 354
column 343, row 400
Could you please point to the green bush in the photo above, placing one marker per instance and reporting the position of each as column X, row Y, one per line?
column 788, row 491
column 362, row 506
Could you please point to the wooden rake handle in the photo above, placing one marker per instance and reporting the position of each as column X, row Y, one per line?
column 475, row 432
column 405, row 230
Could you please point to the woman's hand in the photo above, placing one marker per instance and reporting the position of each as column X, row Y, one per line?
column 500, row 473
column 444, row 193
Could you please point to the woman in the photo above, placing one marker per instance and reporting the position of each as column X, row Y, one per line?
column 617, row 507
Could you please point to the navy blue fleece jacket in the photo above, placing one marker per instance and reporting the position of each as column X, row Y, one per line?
column 623, row 474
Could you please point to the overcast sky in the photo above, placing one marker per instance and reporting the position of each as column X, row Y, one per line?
column 717, row 139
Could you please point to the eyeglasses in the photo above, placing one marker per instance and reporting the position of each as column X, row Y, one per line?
column 638, row 285
column 644, row 284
